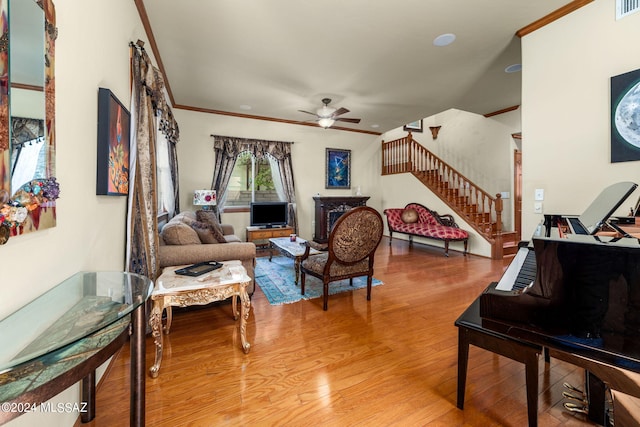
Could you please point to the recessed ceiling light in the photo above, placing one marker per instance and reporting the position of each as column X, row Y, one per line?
column 444, row 39
column 245, row 107
column 513, row 68
column 375, row 126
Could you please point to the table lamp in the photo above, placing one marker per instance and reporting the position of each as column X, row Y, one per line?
column 204, row 198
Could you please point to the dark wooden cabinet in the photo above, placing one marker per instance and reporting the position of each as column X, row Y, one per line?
column 327, row 211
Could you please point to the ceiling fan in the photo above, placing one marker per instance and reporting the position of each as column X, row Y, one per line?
column 326, row 116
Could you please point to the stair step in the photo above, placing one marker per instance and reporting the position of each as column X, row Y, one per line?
column 460, row 200
column 469, row 209
column 510, row 236
column 509, row 250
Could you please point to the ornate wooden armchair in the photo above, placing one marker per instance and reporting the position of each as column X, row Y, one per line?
column 351, row 247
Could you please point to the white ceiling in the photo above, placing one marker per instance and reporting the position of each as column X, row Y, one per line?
column 373, row 57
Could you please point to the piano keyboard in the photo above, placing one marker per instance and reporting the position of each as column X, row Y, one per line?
column 521, row 272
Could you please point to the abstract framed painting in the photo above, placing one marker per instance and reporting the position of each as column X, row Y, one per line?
column 625, row 117
column 113, row 146
column 338, row 168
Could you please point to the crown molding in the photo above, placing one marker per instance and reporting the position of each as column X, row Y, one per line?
column 553, row 16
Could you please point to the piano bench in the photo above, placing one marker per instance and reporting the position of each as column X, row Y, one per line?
column 470, row 331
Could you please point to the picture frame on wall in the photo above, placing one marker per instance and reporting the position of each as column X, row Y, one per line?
column 625, row 120
column 413, row 126
column 113, row 146
column 338, row 169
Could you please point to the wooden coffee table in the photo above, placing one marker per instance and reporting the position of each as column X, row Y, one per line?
column 290, row 249
column 171, row 289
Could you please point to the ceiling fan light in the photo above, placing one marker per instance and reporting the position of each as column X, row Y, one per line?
column 326, row 122
column 325, row 111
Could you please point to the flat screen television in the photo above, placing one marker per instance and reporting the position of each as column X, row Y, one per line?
column 269, row 214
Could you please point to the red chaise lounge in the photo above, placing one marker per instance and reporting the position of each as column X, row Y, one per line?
column 417, row 220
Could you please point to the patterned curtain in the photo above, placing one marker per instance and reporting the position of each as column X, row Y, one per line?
column 147, row 101
column 169, row 127
column 226, row 150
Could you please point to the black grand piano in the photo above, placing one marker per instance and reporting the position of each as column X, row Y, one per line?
column 575, row 294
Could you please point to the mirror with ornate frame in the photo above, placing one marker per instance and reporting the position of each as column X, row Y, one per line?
column 28, row 187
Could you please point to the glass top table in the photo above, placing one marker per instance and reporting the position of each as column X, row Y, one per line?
column 74, row 309
column 294, row 249
column 62, row 336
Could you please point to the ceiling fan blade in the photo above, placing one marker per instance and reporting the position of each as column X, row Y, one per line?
column 308, row 112
column 339, row 112
column 346, row 119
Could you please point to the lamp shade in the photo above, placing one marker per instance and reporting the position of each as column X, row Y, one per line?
column 326, row 122
column 204, row 198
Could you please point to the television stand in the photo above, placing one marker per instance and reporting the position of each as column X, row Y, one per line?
column 260, row 236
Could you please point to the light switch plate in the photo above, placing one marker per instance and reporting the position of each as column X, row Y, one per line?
column 539, row 195
column 537, row 207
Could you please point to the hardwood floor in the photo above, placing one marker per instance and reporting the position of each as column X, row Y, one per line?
column 390, row 361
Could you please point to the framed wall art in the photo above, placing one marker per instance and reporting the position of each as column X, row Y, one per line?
column 413, row 126
column 338, row 168
column 113, row 146
column 625, row 117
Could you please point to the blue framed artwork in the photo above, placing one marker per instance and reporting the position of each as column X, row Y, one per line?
column 338, row 169
column 625, row 117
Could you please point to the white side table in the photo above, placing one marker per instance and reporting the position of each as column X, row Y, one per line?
column 171, row 289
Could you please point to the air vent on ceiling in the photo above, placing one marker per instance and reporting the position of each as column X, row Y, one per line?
column 626, row 7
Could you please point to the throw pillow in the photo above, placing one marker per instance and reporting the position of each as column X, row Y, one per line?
column 409, row 216
column 209, row 217
column 185, row 216
column 207, row 233
column 178, row 233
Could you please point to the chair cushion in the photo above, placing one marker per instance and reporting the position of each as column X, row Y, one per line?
column 315, row 263
column 440, row 232
column 409, row 216
column 211, row 220
column 179, row 233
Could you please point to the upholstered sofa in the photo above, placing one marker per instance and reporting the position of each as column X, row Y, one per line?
column 417, row 220
column 187, row 240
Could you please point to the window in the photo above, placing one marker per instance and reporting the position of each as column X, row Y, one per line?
column 254, row 180
column 164, row 182
column 29, row 160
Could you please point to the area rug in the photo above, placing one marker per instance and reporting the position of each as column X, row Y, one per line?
column 276, row 279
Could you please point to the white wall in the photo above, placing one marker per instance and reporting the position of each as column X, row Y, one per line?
column 196, row 160
column 567, row 67
column 91, row 51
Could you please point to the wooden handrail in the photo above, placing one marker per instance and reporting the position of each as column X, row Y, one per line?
column 483, row 211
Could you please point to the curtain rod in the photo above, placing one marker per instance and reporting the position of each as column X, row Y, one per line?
column 248, row 139
column 138, row 45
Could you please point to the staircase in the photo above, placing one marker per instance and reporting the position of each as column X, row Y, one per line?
column 479, row 209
